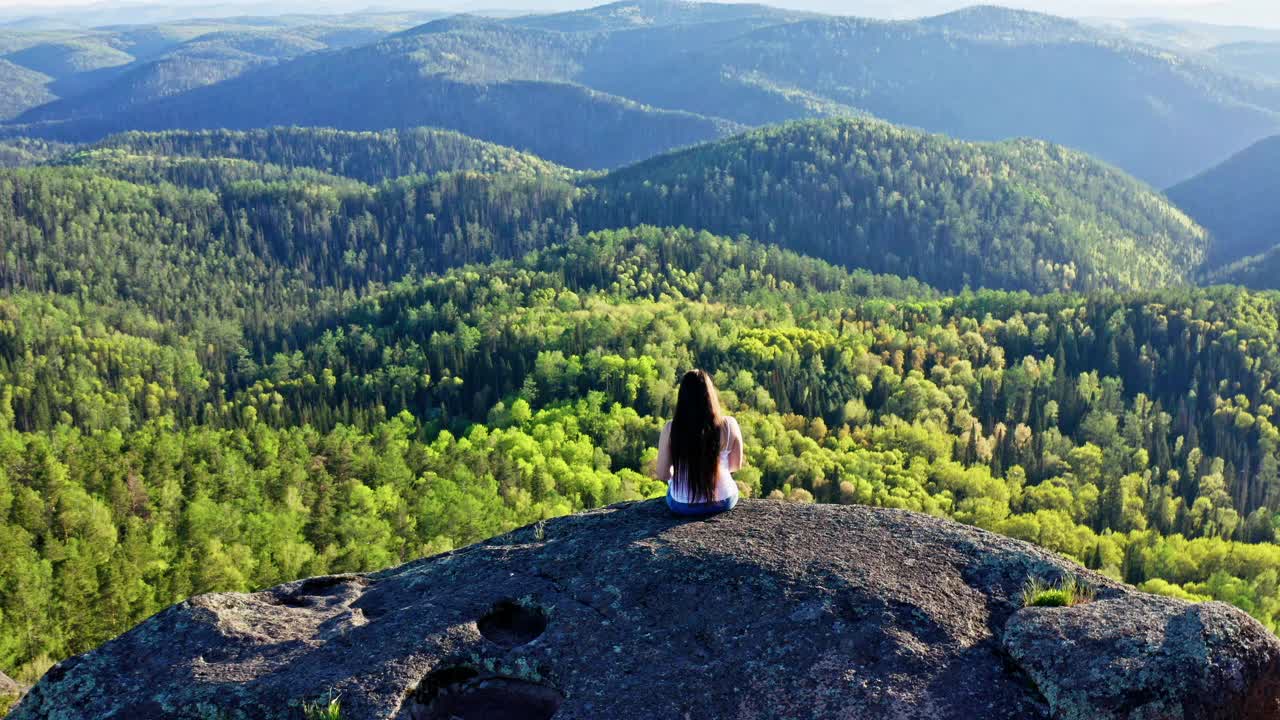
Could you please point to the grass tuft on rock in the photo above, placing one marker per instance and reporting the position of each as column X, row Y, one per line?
column 329, row 709
column 1066, row 592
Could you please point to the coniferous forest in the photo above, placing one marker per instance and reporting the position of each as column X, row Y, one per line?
column 232, row 358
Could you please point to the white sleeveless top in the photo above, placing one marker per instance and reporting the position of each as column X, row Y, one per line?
column 725, row 486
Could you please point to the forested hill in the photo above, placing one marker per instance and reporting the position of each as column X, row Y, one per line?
column 1010, row 26
column 1237, row 202
column 233, row 356
column 141, row 465
column 369, row 157
column 611, row 85
column 1261, row 271
column 21, row 88
column 21, row 152
column 1019, row 214
column 226, row 361
column 861, row 194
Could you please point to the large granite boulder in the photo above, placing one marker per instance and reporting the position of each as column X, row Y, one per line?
column 1166, row 660
column 770, row 611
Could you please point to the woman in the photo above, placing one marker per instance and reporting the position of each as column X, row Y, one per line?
column 699, row 450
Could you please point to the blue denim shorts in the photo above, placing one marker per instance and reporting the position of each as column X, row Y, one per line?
column 702, row 508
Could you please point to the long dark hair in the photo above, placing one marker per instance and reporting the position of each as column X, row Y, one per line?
column 695, row 436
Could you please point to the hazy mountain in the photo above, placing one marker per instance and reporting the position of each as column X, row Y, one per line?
column 980, row 74
column 206, row 60
column 494, row 81
column 1259, row 272
column 575, row 126
column 566, row 85
column 62, row 59
column 1248, row 51
column 83, row 16
column 21, row 88
column 1188, row 35
column 651, row 14
column 110, row 69
column 1260, row 59
column 1237, row 202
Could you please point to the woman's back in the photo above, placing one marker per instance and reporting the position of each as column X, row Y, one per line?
column 699, row 450
column 725, row 487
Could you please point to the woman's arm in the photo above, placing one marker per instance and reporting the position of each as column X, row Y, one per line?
column 735, row 446
column 663, row 466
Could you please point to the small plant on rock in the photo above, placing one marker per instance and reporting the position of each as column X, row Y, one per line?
column 1066, row 592
column 330, row 709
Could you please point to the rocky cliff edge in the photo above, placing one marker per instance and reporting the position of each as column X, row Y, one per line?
column 627, row 613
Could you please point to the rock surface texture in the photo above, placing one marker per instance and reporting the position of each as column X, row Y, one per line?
column 770, row 611
column 1148, row 657
column 10, row 691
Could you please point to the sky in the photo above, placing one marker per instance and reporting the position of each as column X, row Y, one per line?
column 1264, row 13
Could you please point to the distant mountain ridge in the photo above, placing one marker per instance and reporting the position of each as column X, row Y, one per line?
column 1238, row 202
column 206, row 60
column 648, row 14
column 982, row 74
column 696, row 72
column 1258, row 272
column 109, row 69
column 1261, row 59
column 1002, row 24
